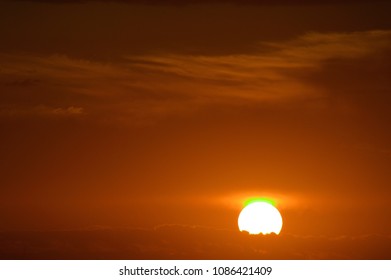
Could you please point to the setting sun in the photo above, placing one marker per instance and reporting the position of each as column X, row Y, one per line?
column 260, row 217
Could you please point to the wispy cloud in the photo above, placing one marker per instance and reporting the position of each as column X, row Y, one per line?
column 271, row 74
column 41, row 110
column 145, row 86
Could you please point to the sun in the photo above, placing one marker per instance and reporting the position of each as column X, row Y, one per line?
column 260, row 217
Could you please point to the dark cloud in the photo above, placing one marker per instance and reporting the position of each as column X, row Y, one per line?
column 186, row 242
column 117, row 29
column 187, row 2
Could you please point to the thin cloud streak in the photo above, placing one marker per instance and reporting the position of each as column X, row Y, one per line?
column 152, row 86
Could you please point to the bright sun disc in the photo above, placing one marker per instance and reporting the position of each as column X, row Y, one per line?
column 260, row 217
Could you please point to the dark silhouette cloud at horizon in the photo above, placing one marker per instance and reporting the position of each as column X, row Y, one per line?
column 186, row 242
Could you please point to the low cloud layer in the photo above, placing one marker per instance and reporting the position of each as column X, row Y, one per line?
column 186, row 242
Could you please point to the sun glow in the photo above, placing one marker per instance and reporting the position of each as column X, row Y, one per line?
column 260, row 217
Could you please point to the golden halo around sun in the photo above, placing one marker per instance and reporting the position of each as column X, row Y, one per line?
column 260, row 217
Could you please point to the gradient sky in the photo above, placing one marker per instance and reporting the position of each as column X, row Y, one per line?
column 165, row 117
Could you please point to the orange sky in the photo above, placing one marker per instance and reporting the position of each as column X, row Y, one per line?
column 165, row 117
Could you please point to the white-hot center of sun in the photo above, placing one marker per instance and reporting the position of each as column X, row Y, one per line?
column 260, row 217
